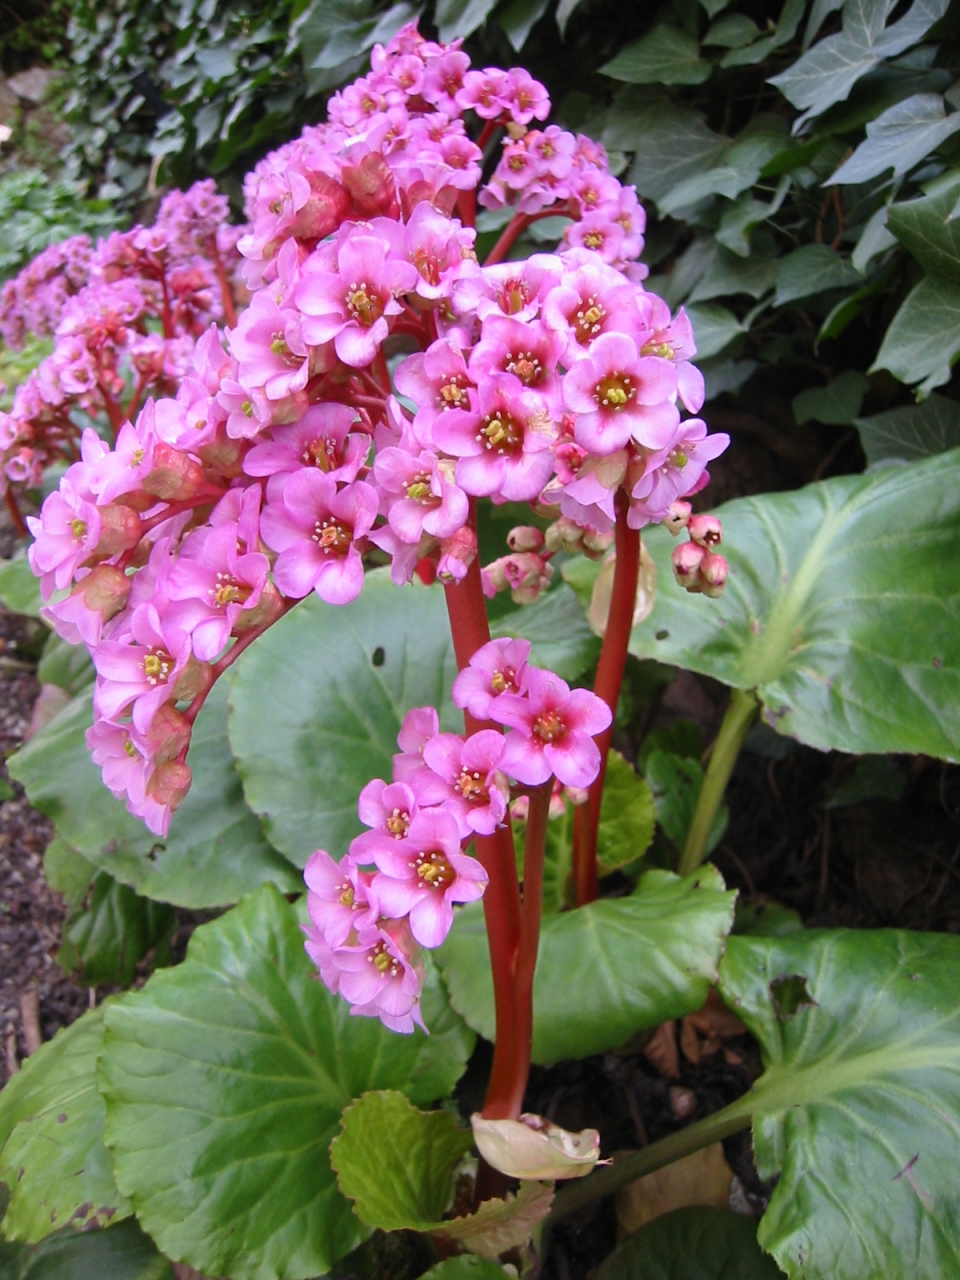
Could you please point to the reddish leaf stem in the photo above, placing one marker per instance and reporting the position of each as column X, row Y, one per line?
column 533, row 856
column 610, row 669
column 15, row 514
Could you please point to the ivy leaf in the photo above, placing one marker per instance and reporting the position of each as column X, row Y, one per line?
column 928, row 228
column 731, row 273
column 672, row 144
column 215, row 851
column 786, row 27
column 341, row 680
column 696, row 1243
column 826, row 73
column 123, row 1252
column 714, row 328
column 899, row 139
column 634, row 962
column 741, row 166
column 665, row 55
column 225, row 1079
column 814, row 268
column 859, row 1035
column 397, row 1163
column 923, row 339
column 738, row 221
column 911, row 432
column 460, row 17
column 565, row 11
column 732, row 31
column 836, row 404
column 840, row 610
column 19, row 589
column 51, row 1133
column 519, row 18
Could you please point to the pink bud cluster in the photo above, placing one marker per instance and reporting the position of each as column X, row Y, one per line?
column 394, row 892
column 290, row 451
column 696, row 565
column 125, row 317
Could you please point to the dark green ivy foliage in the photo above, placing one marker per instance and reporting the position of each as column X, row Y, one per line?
column 798, row 163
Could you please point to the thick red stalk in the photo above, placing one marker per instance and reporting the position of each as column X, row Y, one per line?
column 613, row 661
column 534, row 849
column 501, row 902
column 515, row 227
column 226, row 294
column 15, row 514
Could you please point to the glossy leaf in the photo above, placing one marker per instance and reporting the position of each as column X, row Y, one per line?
column 19, row 589
column 692, row 1244
column 900, row 138
column 397, row 1163
column 928, row 228
column 732, row 31
column 53, row 1158
column 106, row 941
column 714, row 328
column 856, row 1111
column 67, row 872
column 557, row 628
column 835, row 404
column 216, row 850
column 675, row 781
column 730, row 273
column 923, row 339
column 68, row 666
column 742, row 163
column 672, row 144
column 225, row 1079
column 841, row 610
column 460, row 17
column 627, row 816
column 340, row 681
column 633, row 962
column 519, row 18
column 911, row 432
column 814, row 268
column 826, row 73
column 666, row 55
column 123, row 1252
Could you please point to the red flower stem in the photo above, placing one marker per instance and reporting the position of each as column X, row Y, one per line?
column 467, row 208
column 515, row 227
column 15, row 514
column 487, row 132
column 613, row 661
column 534, row 850
column 229, row 308
column 382, row 373
column 501, row 902
column 114, row 411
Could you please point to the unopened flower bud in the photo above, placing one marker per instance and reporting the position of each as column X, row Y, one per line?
column 520, row 809
column 493, row 576
column 527, row 574
column 525, row 537
column 516, row 130
column 576, row 795
column 169, row 734
column 705, row 530
column 175, row 477
column 713, row 574
column 170, row 783
column 533, row 1147
column 223, row 458
column 121, row 530
column 686, row 564
column 457, row 553
column 104, row 590
column 678, row 518
column 596, row 544
column 195, row 678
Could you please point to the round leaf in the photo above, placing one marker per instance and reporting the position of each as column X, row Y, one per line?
column 841, row 610
column 607, row 970
column 397, row 1163
column 225, row 1079
column 123, row 1252
column 856, row 1111
column 51, row 1133
column 318, row 701
column 216, row 850
column 695, row 1244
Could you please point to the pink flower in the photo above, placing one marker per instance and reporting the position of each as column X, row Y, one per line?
column 444, row 80
column 497, row 668
column 314, row 528
column 620, row 396
column 528, row 351
column 488, row 93
column 213, row 585
column 510, row 454
column 351, row 306
column 151, row 667
column 677, row 472
column 552, row 731
column 420, row 495
column 528, row 97
column 268, row 345
column 339, row 899
column 424, row 874
column 67, row 534
column 420, row 724
column 123, row 756
column 441, row 388
column 98, row 597
column 322, row 438
column 379, row 978
column 477, row 790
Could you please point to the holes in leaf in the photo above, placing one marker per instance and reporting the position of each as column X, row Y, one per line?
column 661, row 635
column 789, row 993
column 379, row 657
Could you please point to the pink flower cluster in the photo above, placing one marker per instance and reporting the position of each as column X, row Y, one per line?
column 394, row 892
column 290, row 451
column 125, row 317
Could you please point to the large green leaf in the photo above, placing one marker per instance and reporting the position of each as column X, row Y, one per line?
column 691, row 1244
column 814, row 268
column 911, row 432
column 216, row 850
column 557, row 628
column 19, row 589
column 123, row 1252
column 397, row 1163
column 225, row 1079
column 666, row 55
column 714, row 328
column 52, row 1156
column 671, row 143
column 836, row 404
column 857, row 1109
column 607, row 970
column 924, row 336
column 900, row 138
column 318, row 701
column 467, row 1267
column 928, row 228
column 461, row 17
column 106, row 941
column 841, row 610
